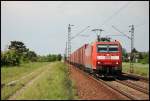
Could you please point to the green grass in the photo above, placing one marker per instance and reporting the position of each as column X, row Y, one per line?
column 140, row 69
column 9, row 73
column 53, row 84
column 13, row 73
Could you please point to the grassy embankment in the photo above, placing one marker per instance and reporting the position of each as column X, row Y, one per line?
column 140, row 69
column 52, row 83
column 9, row 74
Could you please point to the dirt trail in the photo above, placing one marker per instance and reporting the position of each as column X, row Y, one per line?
column 20, row 91
column 89, row 89
column 23, row 77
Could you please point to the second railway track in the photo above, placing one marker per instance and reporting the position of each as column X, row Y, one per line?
column 131, row 91
column 134, row 85
column 126, row 88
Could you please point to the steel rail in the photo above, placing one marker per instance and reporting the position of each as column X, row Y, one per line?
column 134, row 86
column 103, row 82
column 97, row 79
column 136, row 76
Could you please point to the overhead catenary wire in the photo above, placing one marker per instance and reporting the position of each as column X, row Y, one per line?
column 79, row 32
column 114, row 35
column 139, row 25
column 114, row 14
column 121, row 32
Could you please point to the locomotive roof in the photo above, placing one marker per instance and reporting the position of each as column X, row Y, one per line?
column 105, row 42
column 111, row 42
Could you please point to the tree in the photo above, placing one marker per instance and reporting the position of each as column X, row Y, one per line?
column 24, row 53
column 124, row 54
column 59, row 57
column 18, row 46
column 134, row 50
column 53, row 57
column 145, row 59
column 49, row 58
column 140, row 55
column 10, row 57
column 42, row 58
column 32, row 56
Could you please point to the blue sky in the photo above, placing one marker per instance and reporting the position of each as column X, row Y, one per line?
column 42, row 25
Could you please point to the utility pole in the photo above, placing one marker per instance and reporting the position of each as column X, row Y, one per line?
column 98, row 34
column 132, row 47
column 65, row 57
column 69, row 46
column 69, row 40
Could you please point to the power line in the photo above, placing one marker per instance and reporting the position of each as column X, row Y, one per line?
column 85, row 35
column 121, row 32
column 79, row 32
column 139, row 25
column 116, row 13
column 114, row 35
column 132, row 45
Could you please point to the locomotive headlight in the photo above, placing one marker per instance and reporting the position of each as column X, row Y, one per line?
column 98, row 62
column 115, row 57
column 116, row 62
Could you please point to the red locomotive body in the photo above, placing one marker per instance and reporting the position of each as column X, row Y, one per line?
column 99, row 57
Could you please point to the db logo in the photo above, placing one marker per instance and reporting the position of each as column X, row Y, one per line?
column 107, row 57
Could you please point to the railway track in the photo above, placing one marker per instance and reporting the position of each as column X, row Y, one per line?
column 138, row 77
column 124, row 87
column 134, row 86
column 133, row 83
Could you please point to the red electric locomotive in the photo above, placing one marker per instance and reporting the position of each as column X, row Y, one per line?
column 99, row 57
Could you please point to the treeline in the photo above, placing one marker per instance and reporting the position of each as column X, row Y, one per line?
column 139, row 57
column 18, row 53
column 49, row 58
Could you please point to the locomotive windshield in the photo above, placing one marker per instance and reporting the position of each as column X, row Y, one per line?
column 113, row 48
column 102, row 48
column 107, row 48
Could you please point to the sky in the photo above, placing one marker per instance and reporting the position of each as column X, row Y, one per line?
column 43, row 25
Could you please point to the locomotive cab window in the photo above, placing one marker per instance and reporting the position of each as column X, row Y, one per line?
column 102, row 48
column 107, row 48
column 113, row 48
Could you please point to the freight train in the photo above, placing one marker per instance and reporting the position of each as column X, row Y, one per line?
column 99, row 57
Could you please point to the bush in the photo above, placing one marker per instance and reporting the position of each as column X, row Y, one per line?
column 42, row 59
column 145, row 60
column 59, row 57
column 49, row 58
column 31, row 56
column 10, row 58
